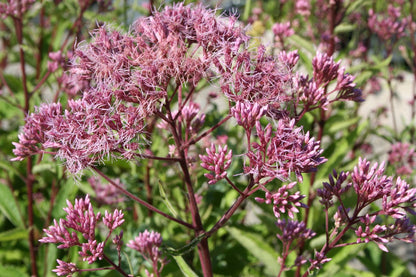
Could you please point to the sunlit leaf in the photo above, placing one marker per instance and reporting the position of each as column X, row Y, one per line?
column 9, row 207
column 186, row 270
column 256, row 245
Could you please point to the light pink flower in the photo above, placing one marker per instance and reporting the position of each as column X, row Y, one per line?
column 82, row 219
column 388, row 25
column 368, row 233
column 279, row 153
column 147, row 243
column 91, row 251
column 369, row 182
column 283, row 201
column 247, row 114
column 11, row 8
column 216, row 161
column 106, row 194
column 303, row 7
column 403, row 158
column 282, row 31
column 113, row 220
column 65, row 269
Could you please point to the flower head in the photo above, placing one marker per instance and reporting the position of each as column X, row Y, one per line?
column 113, row 220
column 319, row 260
column 65, row 269
column 282, row 31
column 367, row 233
column 388, row 25
column 403, row 158
column 258, row 78
column 216, row 161
column 303, row 7
column 82, row 219
column 277, row 154
column 283, row 201
column 335, row 188
column 147, row 243
column 14, row 8
column 370, row 183
column 291, row 230
column 91, row 251
column 247, row 113
column 400, row 199
column 106, row 194
column 89, row 130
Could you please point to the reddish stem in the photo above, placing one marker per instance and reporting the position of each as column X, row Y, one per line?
column 223, row 220
column 203, row 249
column 29, row 175
column 116, row 267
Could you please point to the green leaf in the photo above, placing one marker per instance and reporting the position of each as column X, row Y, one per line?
column 305, row 185
column 129, row 263
column 363, row 77
column 65, row 193
column 186, row 270
column 166, row 200
column 342, row 124
column 398, row 270
column 302, row 43
column 51, row 257
column 49, row 167
column 335, row 153
column 341, row 259
column 9, row 207
column 318, row 242
column 8, row 167
column 356, row 5
column 13, row 82
column 380, row 64
column 14, row 234
column 256, row 245
column 6, row 271
column 344, row 28
column 247, row 10
column 306, row 61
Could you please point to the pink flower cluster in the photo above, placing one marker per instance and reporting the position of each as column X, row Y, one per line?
column 293, row 230
column 82, row 219
column 388, row 26
column 282, row 31
column 89, row 130
column 403, row 158
column 370, row 184
column 14, row 8
column 65, row 269
column 303, row 7
column 247, row 114
column 148, row 244
column 123, row 79
column 190, row 118
column 281, row 152
column 292, row 233
column 106, row 194
column 326, row 70
column 216, row 161
column 283, row 201
column 259, row 78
